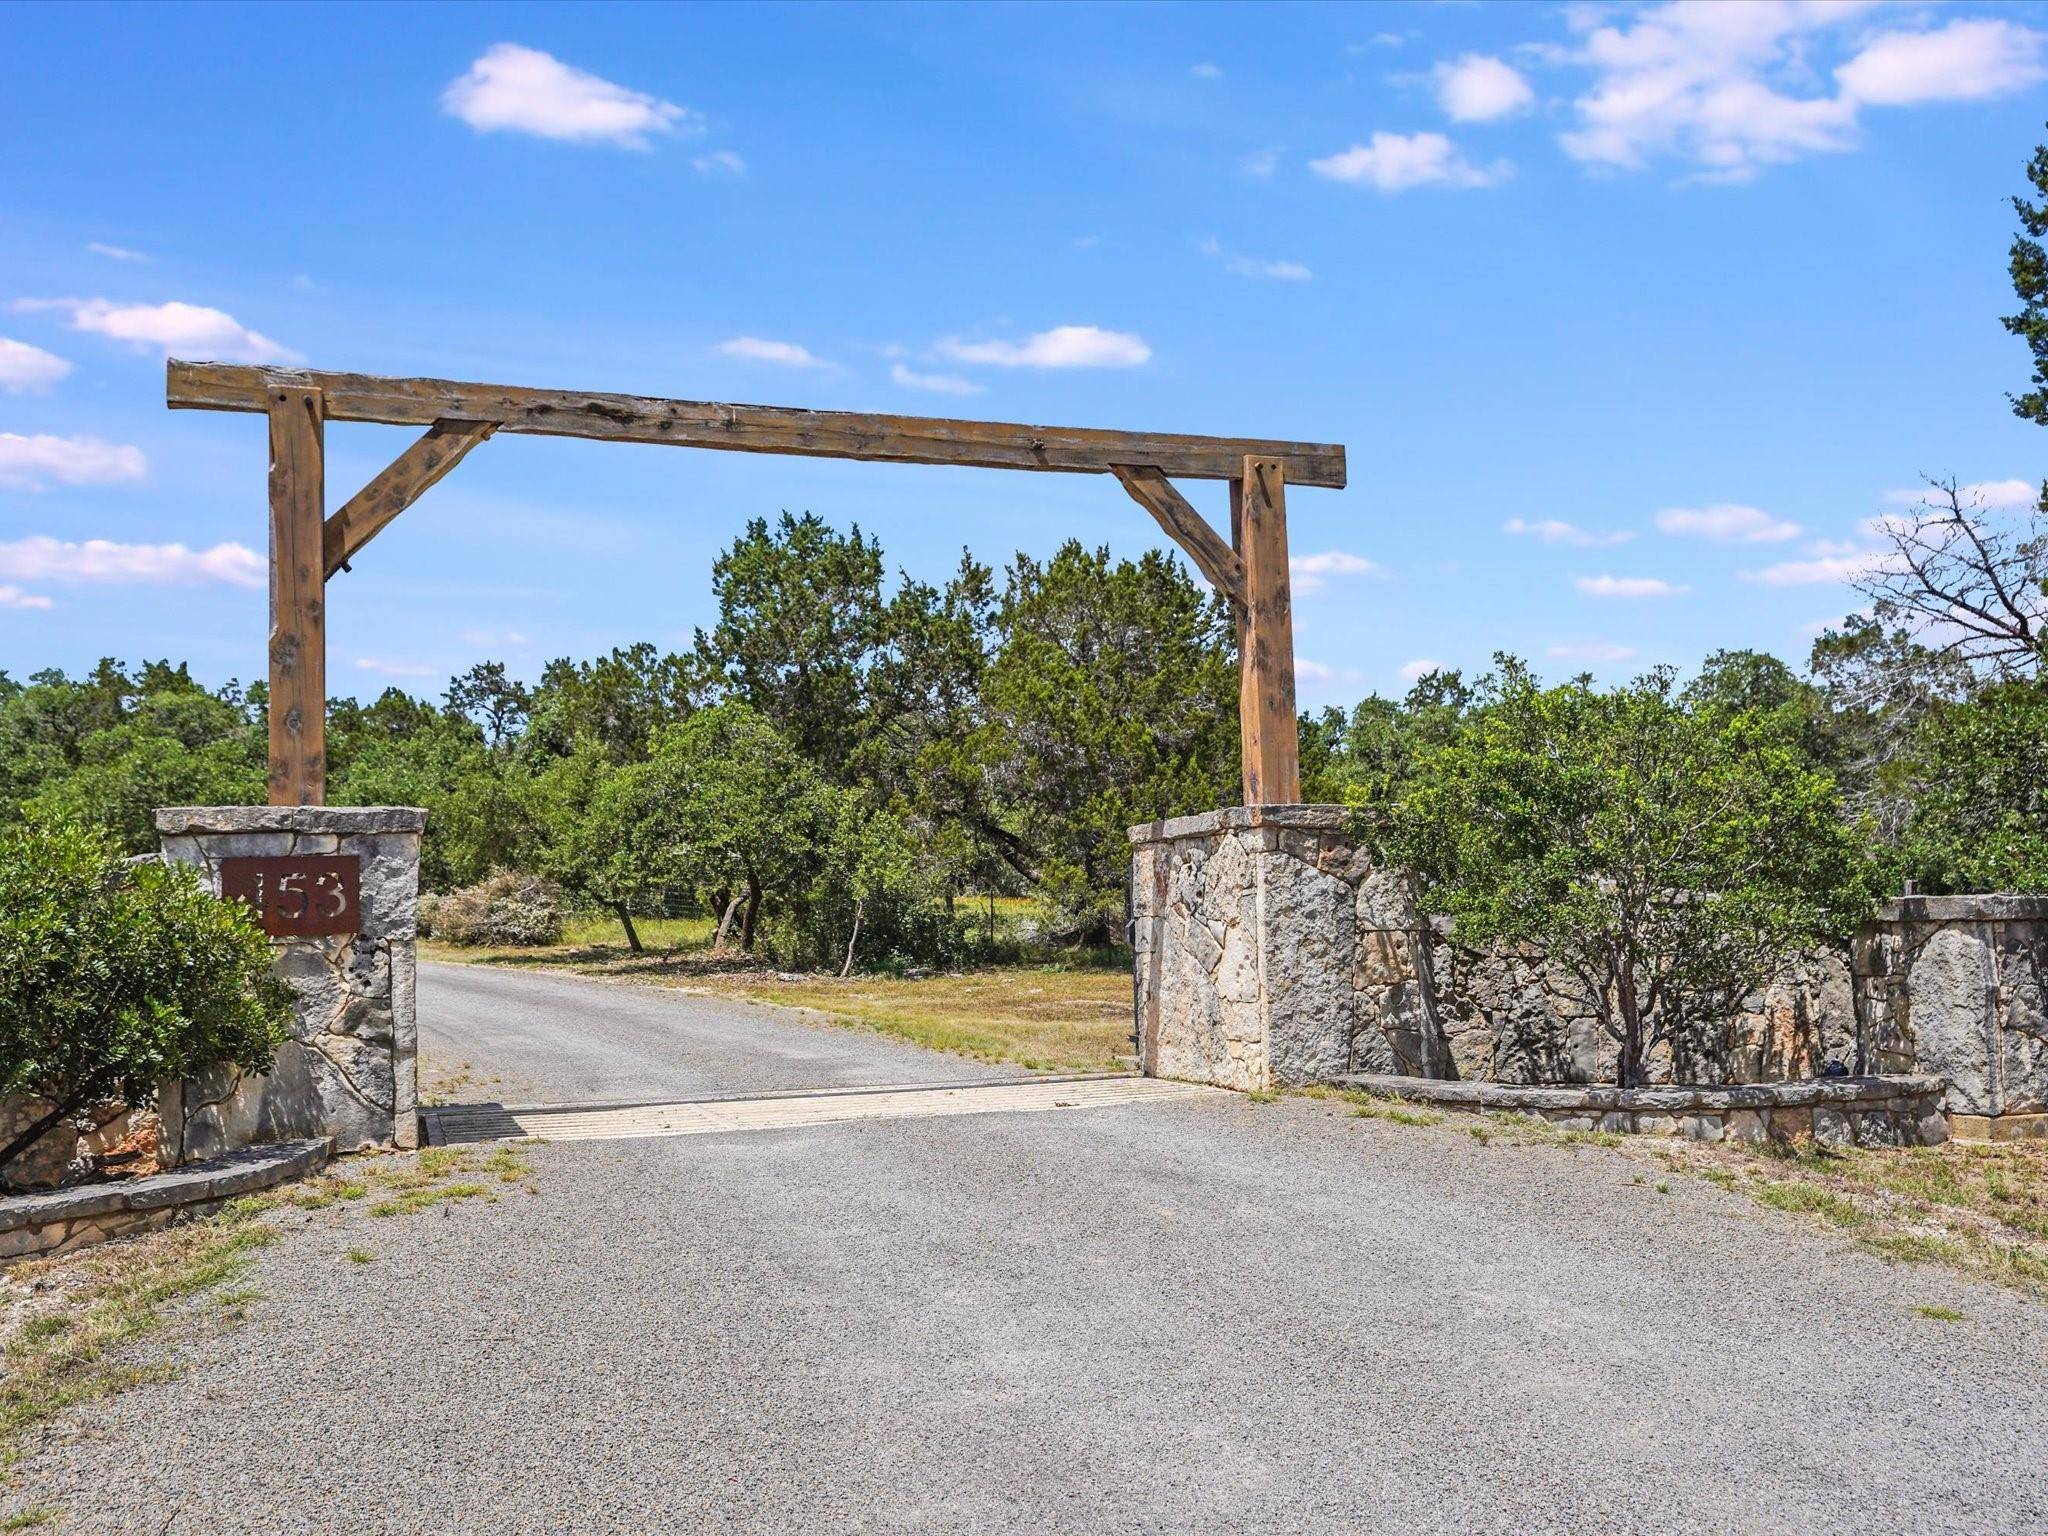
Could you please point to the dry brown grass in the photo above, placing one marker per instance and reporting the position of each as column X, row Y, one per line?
column 1979, row 1209
column 1063, row 1018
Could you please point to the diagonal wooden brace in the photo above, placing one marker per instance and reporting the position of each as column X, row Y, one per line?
column 401, row 483
column 1215, row 559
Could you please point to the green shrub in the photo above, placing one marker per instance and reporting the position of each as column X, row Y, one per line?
column 114, row 977
column 505, row 907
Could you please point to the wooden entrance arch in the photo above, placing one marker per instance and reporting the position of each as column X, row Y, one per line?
column 307, row 546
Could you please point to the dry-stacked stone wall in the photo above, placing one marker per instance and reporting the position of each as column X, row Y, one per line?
column 1271, row 950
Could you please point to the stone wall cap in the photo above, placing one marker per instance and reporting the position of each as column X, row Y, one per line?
column 234, row 1173
column 1241, row 818
column 1985, row 907
column 185, row 820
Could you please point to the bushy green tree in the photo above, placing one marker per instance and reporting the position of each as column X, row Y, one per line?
column 114, row 978
column 621, row 701
column 111, row 747
column 1669, row 858
column 801, row 619
column 1979, row 771
column 1111, row 700
column 723, row 809
column 2029, row 265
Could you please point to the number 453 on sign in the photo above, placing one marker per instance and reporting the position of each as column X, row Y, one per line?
column 305, row 895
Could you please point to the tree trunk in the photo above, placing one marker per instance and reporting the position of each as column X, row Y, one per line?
column 858, row 903
column 65, row 1109
column 632, row 933
column 731, row 905
column 1631, row 1064
column 753, row 913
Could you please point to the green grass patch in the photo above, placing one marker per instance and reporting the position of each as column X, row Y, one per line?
column 1939, row 1314
column 1811, row 1199
column 30, row 1519
column 361, row 1256
column 413, row 1201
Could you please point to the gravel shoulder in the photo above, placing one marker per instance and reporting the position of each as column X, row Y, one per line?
column 1209, row 1316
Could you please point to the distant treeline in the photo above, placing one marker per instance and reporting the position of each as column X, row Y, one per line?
column 837, row 751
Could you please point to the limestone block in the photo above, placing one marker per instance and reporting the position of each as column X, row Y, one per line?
column 1748, row 1126
column 1788, row 1125
column 390, row 883
column 1702, row 1127
column 1832, row 1126
column 1952, row 985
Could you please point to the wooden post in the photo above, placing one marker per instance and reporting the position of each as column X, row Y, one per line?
column 298, row 598
column 1272, row 750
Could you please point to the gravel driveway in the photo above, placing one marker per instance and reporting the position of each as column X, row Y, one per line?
column 1199, row 1316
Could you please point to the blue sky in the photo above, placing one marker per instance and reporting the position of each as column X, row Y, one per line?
column 1630, row 317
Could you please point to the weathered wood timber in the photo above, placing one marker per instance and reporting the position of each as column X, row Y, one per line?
column 397, row 486
column 298, row 606
column 1272, row 750
column 1216, row 560
column 747, row 428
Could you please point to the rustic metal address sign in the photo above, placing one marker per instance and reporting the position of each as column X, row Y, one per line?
column 310, row 894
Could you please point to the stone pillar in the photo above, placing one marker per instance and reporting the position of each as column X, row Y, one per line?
column 1958, row 986
column 349, row 1069
column 1270, row 950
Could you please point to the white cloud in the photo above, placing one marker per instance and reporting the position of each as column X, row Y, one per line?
column 1829, row 562
column 1253, row 266
column 1731, row 88
column 115, row 252
column 1278, row 271
column 1314, row 671
column 522, row 90
column 1477, row 88
column 14, row 597
column 1206, row 71
column 30, row 463
column 193, row 330
column 1726, row 523
column 395, row 668
column 1395, row 162
column 1966, row 60
column 1627, row 586
column 719, row 162
column 41, row 558
column 937, row 383
column 1419, row 668
column 1592, row 650
column 507, row 637
column 1553, row 531
column 24, row 368
column 1999, row 495
column 784, row 354
column 1311, row 573
column 1064, row 346
column 1259, row 163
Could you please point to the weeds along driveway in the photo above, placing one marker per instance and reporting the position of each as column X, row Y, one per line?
column 1211, row 1315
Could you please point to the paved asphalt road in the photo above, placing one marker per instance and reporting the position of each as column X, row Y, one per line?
column 1196, row 1316
column 552, row 1039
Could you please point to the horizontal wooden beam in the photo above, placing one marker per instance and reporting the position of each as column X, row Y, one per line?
column 397, row 486
column 748, row 428
column 1216, row 560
